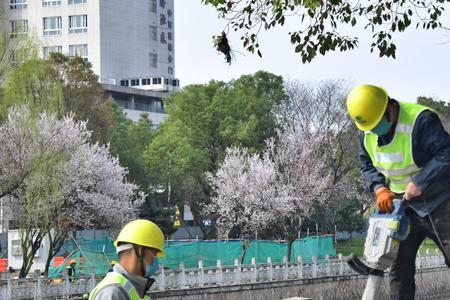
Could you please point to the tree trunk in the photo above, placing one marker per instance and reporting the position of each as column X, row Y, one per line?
column 50, row 251
column 289, row 248
column 23, row 272
column 56, row 243
column 29, row 249
column 245, row 245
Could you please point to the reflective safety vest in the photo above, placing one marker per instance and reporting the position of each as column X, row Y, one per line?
column 114, row 278
column 395, row 160
column 71, row 270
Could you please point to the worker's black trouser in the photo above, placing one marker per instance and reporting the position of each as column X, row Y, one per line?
column 402, row 284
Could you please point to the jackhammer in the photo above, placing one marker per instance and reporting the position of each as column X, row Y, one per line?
column 385, row 232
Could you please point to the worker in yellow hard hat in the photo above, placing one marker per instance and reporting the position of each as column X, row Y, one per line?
column 138, row 245
column 405, row 150
column 113, row 263
column 71, row 272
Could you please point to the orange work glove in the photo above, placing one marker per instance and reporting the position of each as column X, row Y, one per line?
column 384, row 199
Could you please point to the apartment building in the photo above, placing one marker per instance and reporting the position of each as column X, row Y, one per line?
column 129, row 43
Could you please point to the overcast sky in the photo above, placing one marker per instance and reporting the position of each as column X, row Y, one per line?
column 422, row 66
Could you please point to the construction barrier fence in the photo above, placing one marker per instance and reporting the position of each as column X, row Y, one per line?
column 98, row 254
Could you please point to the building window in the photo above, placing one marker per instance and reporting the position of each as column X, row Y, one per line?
column 170, row 58
column 153, row 60
column 51, row 2
column 156, row 80
column 162, row 19
column 134, row 82
column 80, row 50
column 77, row 1
column 169, row 47
column 138, row 105
column 166, row 81
column 158, row 106
column 170, row 70
column 153, row 6
column 169, row 24
column 48, row 50
column 153, row 33
column 124, row 82
column 146, row 81
column 16, row 247
column 124, row 103
column 15, row 4
column 18, row 28
column 170, row 36
column 52, row 25
column 78, row 24
column 163, row 38
column 162, row 3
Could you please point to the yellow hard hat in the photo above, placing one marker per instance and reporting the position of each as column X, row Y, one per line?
column 366, row 105
column 72, row 261
column 143, row 233
column 57, row 280
column 113, row 262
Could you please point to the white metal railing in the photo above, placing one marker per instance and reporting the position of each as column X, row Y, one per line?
column 39, row 287
column 240, row 274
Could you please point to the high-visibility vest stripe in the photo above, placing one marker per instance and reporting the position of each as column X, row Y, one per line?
column 389, row 157
column 404, row 180
column 404, row 128
column 411, row 169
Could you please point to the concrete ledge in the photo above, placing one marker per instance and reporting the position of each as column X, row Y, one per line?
column 431, row 280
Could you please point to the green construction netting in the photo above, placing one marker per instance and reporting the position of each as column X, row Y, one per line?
column 313, row 246
column 98, row 254
column 261, row 250
column 90, row 255
column 207, row 251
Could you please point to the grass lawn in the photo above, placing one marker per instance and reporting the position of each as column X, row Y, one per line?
column 428, row 244
column 346, row 247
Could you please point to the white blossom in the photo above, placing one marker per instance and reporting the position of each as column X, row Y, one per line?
column 92, row 190
column 95, row 190
column 259, row 192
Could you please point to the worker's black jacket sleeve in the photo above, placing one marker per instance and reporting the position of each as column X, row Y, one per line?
column 431, row 151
